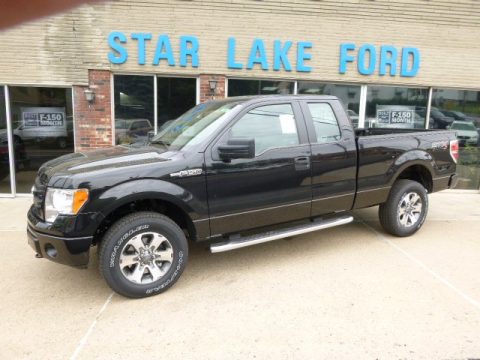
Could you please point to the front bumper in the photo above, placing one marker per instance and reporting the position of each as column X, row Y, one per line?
column 469, row 141
column 68, row 251
column 67, row 241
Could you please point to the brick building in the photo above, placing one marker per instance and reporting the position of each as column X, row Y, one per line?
column 114, row 72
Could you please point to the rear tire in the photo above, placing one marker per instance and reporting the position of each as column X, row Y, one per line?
column 143, row 254
column 405, row 210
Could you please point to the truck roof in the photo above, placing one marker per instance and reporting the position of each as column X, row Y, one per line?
column 261, row 98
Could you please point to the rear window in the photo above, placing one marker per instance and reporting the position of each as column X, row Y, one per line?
column 325, row 122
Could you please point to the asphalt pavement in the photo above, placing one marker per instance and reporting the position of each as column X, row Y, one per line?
column 342, row 293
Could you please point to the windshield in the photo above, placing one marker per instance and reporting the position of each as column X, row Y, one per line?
column 195, row 125
column 120, row 124
column 458, row 126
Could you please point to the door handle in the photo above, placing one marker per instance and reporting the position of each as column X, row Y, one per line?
column 302, row 163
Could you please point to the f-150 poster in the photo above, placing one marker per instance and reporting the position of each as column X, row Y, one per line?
column 395, row 116
column 43, row 117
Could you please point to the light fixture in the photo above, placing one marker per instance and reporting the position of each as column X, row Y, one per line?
column 89, row 95
column 213, row 85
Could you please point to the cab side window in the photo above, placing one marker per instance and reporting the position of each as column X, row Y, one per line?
column 271, row 126
column 325, row 122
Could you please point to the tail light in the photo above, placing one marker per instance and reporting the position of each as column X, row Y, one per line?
column 454, row 150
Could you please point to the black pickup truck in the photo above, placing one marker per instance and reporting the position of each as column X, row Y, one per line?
column 231, row 173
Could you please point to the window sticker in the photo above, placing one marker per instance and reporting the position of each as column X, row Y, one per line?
column 287, row 122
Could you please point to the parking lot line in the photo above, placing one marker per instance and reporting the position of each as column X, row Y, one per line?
column 412, row 258
column 84, row 339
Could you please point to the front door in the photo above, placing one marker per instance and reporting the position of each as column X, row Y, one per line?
column 274, row 186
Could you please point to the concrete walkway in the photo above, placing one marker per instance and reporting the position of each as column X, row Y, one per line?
column 350, row 292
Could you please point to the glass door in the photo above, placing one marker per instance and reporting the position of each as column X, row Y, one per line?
column 5, row 183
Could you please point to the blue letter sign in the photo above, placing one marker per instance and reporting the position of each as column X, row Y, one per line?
column 302, row 56
column 415, row 55
column 345, row 57
column 119, row 54
column 257, row 55
column 188, row 47
column 163, row 51
column 280, row 55
column 141, row 37
column 368, row 58
column 231, row 55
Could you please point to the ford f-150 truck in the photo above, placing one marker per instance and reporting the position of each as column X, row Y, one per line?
column 231, row 173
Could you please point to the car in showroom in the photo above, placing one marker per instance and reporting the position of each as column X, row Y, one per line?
column 132, row 130
column 467, row 133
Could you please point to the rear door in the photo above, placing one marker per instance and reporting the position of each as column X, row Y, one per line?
column 334, row 157
column 271, row 188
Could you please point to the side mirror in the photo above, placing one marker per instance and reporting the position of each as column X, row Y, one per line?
column 237, row 148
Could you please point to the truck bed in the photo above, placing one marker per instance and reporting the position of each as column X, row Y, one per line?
column 383, row 153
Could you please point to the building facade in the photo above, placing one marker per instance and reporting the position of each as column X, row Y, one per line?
column 113, row 72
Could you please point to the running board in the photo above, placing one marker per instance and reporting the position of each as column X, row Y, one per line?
column 241, row 242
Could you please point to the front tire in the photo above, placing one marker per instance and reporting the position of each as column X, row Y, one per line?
column 405, row 210
column 143, row 254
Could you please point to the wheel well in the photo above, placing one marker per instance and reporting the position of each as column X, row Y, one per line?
column 419, row 174
column 166, row 208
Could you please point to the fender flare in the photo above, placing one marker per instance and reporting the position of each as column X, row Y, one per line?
column 141, row 189
column 420, row 157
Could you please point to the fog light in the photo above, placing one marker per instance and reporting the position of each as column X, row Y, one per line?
column 50, row 250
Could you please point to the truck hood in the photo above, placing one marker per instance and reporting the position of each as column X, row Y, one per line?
column 470, row 133
column 114, row 158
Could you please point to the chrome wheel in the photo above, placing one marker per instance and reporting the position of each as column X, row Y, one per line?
column 146, row 258
column 410, row 209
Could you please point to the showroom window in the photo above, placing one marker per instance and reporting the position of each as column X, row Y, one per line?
column 134, row 99
column 4, row 152
column 237, row 87
column 42, row 126
column 134, row 108
column 348, row 94
column 175, row 96
column 396, row 107
column 459, row 110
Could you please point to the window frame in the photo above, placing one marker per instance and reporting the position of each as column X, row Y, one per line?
column 307, row 103
column 302, row 133
column 311, row 127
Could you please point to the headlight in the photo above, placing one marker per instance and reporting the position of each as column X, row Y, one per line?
column 64, row 202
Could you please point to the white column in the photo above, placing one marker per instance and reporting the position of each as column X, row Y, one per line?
column 429, row 107
column 155, row 105
column 197, row 90
column 112, row 106
column 11, row 152
column 363, row 106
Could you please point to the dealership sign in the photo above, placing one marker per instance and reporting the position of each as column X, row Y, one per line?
column 284, row 56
